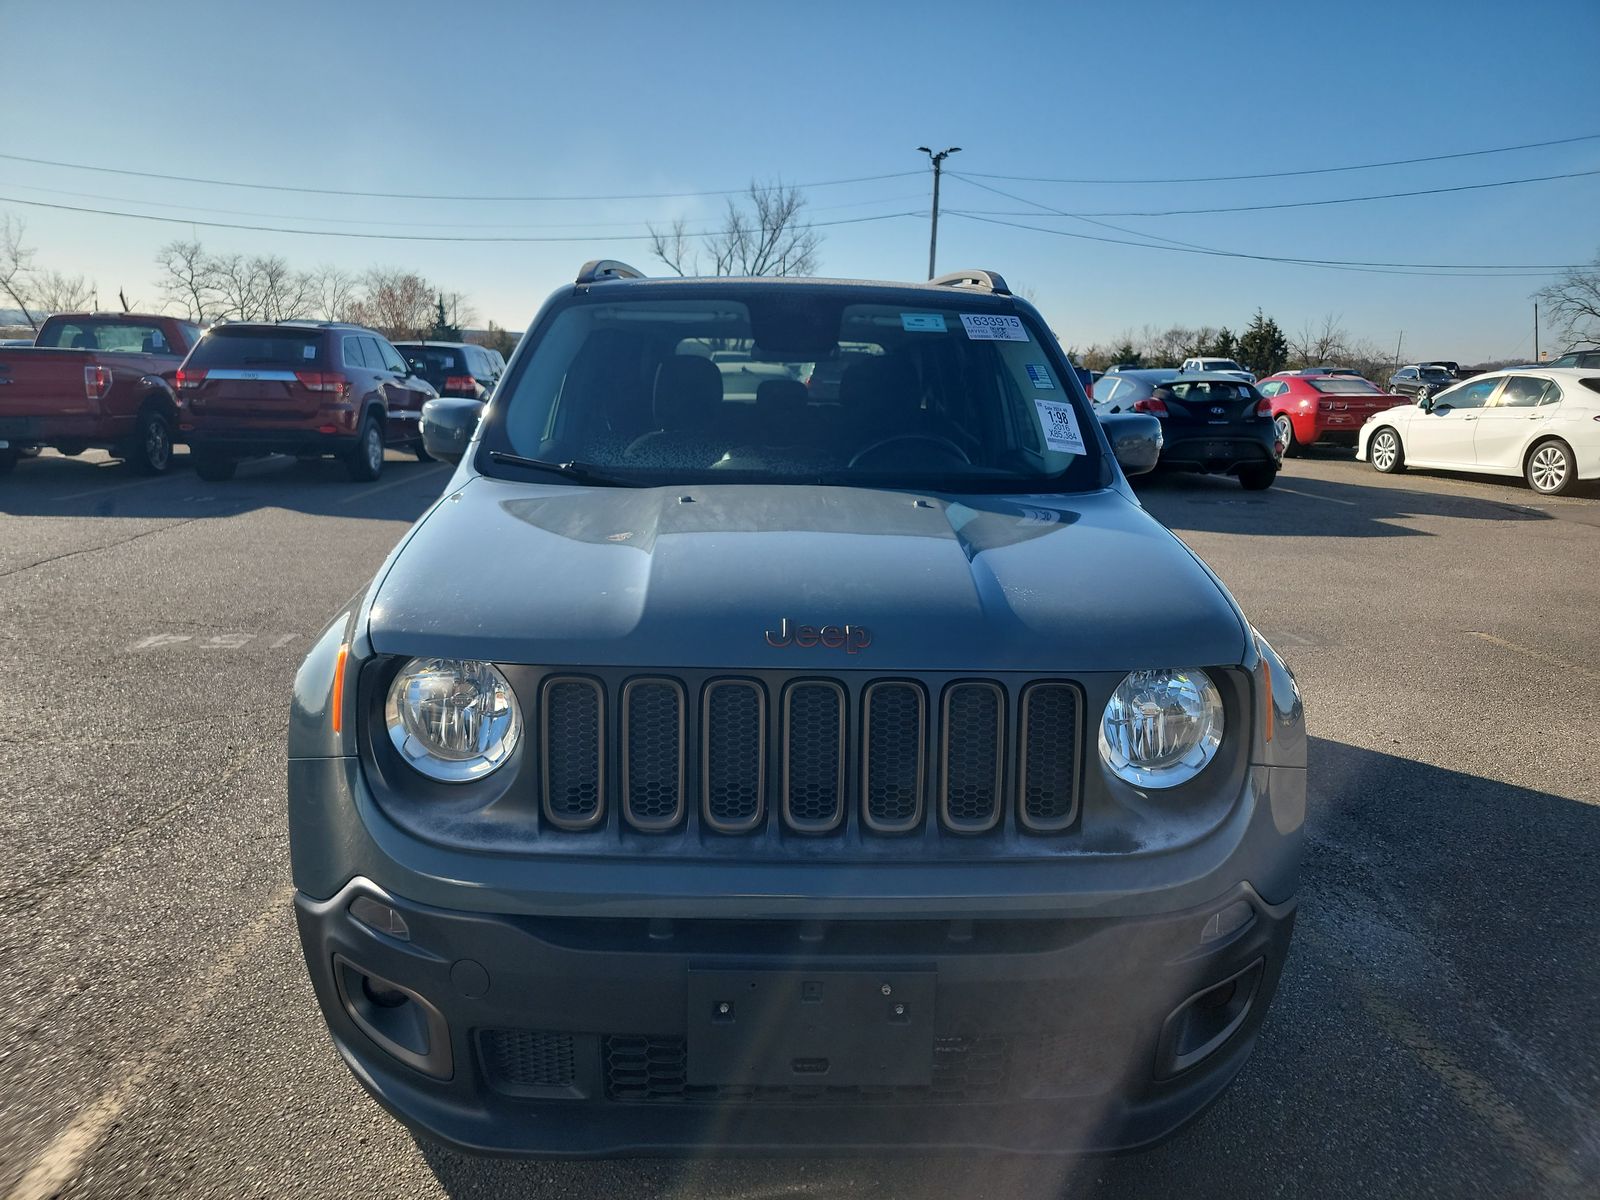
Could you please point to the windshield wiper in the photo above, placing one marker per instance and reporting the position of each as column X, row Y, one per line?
column 576, row 471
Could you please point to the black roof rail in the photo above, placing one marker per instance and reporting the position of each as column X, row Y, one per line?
column 991, row 280
column 598, row 269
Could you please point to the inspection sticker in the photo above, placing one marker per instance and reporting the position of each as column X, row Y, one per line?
column 1041, row 377
column 984, row 328
column 922, row 322
column 1060, row 426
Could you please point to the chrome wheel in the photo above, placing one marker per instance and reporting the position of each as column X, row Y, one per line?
column 1285, row 430
column 157, row 444
column 1548, row 469
column 373, row 448
column 1385, row 450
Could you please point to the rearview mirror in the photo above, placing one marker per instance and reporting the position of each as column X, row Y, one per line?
column 448, row 423
column 1135, row 440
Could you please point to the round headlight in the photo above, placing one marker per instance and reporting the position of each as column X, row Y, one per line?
column 452, row 720
column 1161, row 728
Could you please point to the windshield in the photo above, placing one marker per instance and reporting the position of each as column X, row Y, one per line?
column 1220, row 364
column 1344, row 385
column 1436, row 373
column 798, row 387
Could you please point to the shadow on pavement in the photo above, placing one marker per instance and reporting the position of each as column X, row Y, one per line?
column 92, row 486
column 1433, row 1032
column 1302, row 506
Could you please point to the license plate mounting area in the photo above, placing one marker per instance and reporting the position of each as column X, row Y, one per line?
column 812, row 1027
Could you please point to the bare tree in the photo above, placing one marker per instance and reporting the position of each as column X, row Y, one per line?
column 16, row 265
column 1320, row 344
column 458, row 311
column 762, row 233
column 285, row 294
column 1573, row 303
column 187, row 279
column 54, row 292
column 237, row 289
column 398, row 304
column 335, row 292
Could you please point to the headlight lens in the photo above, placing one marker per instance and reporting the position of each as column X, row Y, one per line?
column 452, row 720
column 1161, row 728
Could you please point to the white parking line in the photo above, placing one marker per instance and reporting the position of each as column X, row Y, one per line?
column 103, row 491
column 1537, row 655
column 59, row 1163
column 409, row 477
column 1319, row 499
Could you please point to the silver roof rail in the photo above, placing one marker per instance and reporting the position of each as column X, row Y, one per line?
column 598, row 269
column 991, row 280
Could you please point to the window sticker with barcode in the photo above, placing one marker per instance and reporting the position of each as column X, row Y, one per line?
column 981, row 327
column 1060, row 426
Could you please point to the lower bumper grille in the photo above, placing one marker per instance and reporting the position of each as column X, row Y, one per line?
column 966, row 1070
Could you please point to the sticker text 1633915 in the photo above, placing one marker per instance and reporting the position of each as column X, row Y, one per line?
column 981, row 327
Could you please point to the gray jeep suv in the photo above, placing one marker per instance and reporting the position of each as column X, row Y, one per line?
column 768, row 767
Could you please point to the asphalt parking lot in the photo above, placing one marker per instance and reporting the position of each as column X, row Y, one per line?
column 1434, row 1035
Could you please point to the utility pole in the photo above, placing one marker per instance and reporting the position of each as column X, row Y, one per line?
column 1535, row 331
column 933, row 235
column 1398, row 342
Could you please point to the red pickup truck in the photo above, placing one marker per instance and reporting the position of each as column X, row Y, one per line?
column 95, row 379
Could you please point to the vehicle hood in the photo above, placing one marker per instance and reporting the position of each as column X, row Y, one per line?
column 699, row 575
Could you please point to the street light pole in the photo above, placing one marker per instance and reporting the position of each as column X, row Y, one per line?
column 933, row 234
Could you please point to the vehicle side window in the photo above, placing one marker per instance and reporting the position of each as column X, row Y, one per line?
column 352, row 353
column 369, row 347
column 1522, row 391
column 1104, row 390
column 1273, row 388
column 391, row 358
column 1469, row 395
column 1407, row 373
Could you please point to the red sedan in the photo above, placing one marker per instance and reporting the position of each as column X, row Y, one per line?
column 1322, row 408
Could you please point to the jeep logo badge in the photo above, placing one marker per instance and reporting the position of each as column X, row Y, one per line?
column 852, row 639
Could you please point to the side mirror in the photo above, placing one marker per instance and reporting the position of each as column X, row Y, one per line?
column 448, row 423
column 1424, row 401
column 1135, row 440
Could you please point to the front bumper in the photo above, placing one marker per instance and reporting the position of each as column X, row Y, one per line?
column 572, row 1036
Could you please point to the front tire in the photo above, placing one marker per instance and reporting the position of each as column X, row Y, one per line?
column 1257, row 477
column 1550, row 469
column 365, row 461
column 1285, row 427
column 150, row 448
column 421, row 451
column 1385, row 452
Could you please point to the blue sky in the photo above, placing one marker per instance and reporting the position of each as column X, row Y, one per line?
column 606, row 98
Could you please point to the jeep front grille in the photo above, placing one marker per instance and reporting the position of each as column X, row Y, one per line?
column 734, row 755
column 864, row 758
column 574, row 746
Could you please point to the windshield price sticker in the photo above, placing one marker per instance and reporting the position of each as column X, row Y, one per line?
column 1041, row 377
column 1060, row 426
column 922, row 322
column 984, row 328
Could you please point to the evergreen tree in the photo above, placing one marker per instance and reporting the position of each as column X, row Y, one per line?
column 1262, row 347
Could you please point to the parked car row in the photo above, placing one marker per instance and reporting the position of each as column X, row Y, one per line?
column 136, row 384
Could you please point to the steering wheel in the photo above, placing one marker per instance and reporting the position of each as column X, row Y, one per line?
column 941, row 442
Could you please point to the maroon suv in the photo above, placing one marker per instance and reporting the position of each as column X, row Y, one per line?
column 307, row 388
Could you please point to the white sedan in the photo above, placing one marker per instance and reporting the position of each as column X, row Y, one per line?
column 1541, row 424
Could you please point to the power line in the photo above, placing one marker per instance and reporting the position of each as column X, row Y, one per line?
column 1371, row 166
column 283, row 187
column 407, row 237
column 1441, row 270
column 502, row 225
column 1177, row 212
